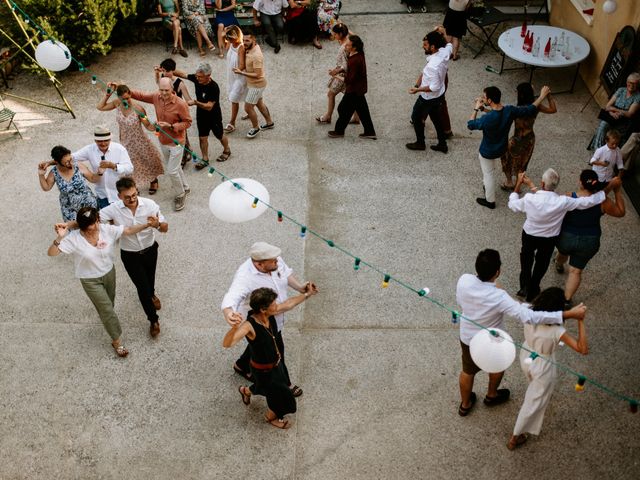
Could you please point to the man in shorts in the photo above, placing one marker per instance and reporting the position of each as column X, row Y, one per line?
column 208, row 113
column 484, row 305
column 256, row 83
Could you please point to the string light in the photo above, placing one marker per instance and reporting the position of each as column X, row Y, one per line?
column 633, row 404
column 94, row 79
column 279, row 216
column 529, row 360
column 126, row 104
column 194, row 157
column 211, row 172
column 255, row 202
column 424, row 292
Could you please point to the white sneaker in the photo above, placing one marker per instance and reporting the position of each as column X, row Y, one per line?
column 178, row 202
column 253, row 132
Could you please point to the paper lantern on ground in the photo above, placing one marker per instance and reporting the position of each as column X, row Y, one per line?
column 491, row 353
column 54, row 56
column 609, row 7
column 230, row 204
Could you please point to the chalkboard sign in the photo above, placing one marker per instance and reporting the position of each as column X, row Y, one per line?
column 621, row 53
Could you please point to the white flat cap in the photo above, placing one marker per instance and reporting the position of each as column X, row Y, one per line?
column 263, row 251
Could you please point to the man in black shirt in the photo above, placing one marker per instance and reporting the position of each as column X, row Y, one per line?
column 208, row 114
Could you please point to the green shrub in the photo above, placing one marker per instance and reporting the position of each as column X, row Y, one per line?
column 85, row 26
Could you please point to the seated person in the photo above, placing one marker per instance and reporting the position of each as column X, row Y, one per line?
column 271, row 18
column 302, row 22
column 622, row 107
column 169, row 11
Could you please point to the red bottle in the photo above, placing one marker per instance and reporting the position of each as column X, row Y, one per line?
column 547, row 48
column 523, row 32
column 525, row 42
column 530, row 44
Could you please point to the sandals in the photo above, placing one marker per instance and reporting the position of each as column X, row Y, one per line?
column 120, row 350
column 246, row 399
column 153, row 187
column 514, row 442
column 202, row 164
column 278, row 422
column 229, row 128
column 202, row 53
column 507, row 188
column 321, row 119
column 224, row 156
column 212, row 47
column 174, row 51
column 296, row 390
column 462, row 411
column 242, row 373
column 503, row 396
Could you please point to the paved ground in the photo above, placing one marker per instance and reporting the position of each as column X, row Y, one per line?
column 379, row 367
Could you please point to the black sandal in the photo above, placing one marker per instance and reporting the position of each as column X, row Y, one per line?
column 296, row 390
column 462, row 411
column 242, row 373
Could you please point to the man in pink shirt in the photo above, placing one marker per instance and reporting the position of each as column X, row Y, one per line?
column 173, row 118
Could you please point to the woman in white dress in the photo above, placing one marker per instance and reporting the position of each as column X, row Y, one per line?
column 541, row 374
column 236, row 84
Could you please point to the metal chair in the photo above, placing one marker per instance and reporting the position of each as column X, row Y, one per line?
column 6, row 115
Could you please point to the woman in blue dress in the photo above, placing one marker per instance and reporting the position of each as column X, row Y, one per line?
column 70, row 177
column 224, row 18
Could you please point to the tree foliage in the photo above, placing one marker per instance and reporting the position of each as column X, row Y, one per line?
column 85, row 26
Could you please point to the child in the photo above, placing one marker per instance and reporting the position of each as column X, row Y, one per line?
column 608, row 156
column 542, row 339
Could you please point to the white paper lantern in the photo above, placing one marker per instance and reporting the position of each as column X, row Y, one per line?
column 54, row 56
column 609, row 6
column 230, row 204
column 493, row 354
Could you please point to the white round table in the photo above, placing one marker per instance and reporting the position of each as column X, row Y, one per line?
column 510, row 42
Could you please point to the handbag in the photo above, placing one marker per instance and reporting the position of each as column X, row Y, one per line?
column 606, row 117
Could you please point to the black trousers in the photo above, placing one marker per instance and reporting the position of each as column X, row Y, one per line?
column 535, row 256
column 352, row 102
column 428, row 108
column 243, row 361
column 141, row 267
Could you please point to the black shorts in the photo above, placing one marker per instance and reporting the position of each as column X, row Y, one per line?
column 468, row 365
column 207, row 124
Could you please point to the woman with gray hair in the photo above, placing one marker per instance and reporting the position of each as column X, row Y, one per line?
column 619, row 112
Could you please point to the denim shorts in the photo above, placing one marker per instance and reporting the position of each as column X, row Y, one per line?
column 579, row 248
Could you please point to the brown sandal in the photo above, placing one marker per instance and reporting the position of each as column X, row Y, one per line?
column 515, row 442
column 278, row 422
column 246, row 399
column 120, row 350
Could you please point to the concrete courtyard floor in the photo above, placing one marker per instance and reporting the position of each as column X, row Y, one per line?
column 379, row 367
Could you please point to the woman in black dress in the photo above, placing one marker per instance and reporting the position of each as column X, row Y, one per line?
column 260, row 329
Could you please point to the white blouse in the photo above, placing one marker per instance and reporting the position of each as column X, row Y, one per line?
column 90, row 261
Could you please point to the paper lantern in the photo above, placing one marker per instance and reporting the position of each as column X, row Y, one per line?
column 493, row 354
column 609, row 7
column 54, row 56
column 233, row 205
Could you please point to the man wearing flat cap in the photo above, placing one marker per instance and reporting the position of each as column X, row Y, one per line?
column 263, row 269
column 108, row 159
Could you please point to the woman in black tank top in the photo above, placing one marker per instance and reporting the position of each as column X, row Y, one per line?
column 260, row 330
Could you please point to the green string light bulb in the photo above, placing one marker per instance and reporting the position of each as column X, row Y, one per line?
column 94, row 80
column 356, row 264
column 211, row 172
column 279, row 216
column 454, row 317
column 580, row 384
column 255, row 202
column 385, row 281
column 303, row 231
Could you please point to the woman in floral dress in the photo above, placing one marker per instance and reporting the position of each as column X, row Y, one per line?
column 328, row 11
column 146, row 158
column 69, row 176
column 195, row 16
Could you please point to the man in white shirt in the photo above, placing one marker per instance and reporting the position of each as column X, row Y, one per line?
column 139, row 252
column 431, row 86
column 271, row 19
column 263, row 269
column 108, row 159
column 545, row 211
column 484, row 302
